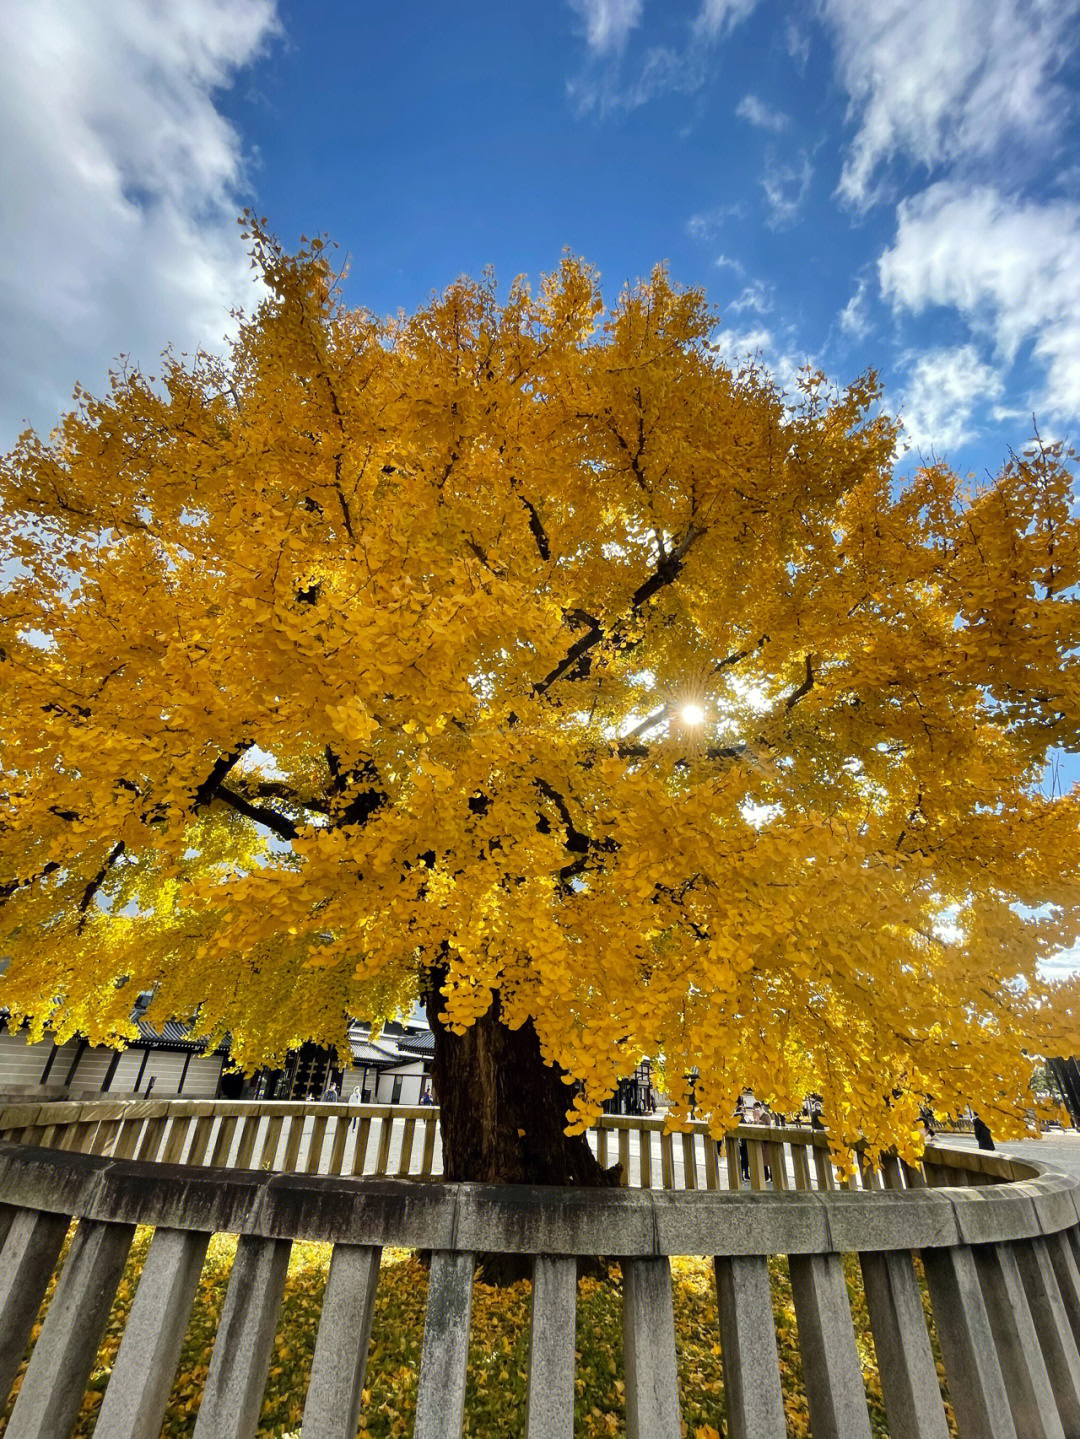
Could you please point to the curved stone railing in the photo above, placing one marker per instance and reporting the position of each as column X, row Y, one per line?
column 1000, row 1264
column 402, row 1141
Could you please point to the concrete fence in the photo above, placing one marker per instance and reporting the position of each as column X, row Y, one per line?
column 403, row 1141
column 998, row 1241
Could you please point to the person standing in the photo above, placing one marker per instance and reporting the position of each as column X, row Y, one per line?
column 982, row 1133
column 356, row 1097
column 742, row 1117
column 761, row 1116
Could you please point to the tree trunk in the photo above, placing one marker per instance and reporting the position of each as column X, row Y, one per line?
column 502, row 1110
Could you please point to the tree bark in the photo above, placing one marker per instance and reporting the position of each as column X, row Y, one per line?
column 502, row 1110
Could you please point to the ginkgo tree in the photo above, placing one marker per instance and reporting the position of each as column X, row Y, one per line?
column 521, row 657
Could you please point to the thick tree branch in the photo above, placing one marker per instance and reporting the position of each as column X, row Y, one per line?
column 805, row 688
column 635, row 749
column 276, row 789
column 576, row 841
column 484, row 558
column 576, row 652
column 333, row 764
column 12, row 886
column 280, row 824
column 648, row 723
column 361, row 807
column 339, row 458
column 573, row 869
column 96, row 883
column 582, row 846
column 346, row 513
column 666, row 572
column 364, row 802
column 537, row 530
column 207, row 791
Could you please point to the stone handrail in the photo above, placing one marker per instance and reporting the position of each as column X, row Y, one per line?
column 403, row 1141
column 1000, row 1262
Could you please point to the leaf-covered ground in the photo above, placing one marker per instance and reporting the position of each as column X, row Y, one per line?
column 495, row 1402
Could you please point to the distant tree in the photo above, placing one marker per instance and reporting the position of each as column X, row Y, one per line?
column 524, row 658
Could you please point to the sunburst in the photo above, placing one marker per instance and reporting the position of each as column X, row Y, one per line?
column 690, row 707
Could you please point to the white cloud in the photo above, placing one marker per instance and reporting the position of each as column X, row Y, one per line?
column 854, row 319
column 608, row 22
column 121, row 182
column 779, row 355
column 757, row 296
column 1062, row 965
column 798, row 44
column 944, row 389
column 719, row 17
column 663, row 68
column 756, row 112
column 937, row 80
column 1001, row 413
column 786, row 186
column 1010, row 266
column 737, row 344
column 708, row 223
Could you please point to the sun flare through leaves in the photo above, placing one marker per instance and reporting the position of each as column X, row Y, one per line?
column 522, row 638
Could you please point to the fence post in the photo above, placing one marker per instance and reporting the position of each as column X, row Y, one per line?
column 245, row 1337
column 27, row 1260
column 138, row 1391
column 52, row 1391
column 755, row 1404
column 550, row 1412
column 976, row 1386
column 334, row 1396
column 440, row 1397
column 909, row 1379
column 652, row 1403
column 1027, row 1383
column 831, row 1369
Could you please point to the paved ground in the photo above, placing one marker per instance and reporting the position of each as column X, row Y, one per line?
column 1060, row 1148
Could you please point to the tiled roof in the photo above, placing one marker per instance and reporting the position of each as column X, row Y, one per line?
column 172, row 1035
column 374, row 1055
column 421, row 1043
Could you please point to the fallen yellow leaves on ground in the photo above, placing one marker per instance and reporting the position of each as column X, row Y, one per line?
column 498, row 1355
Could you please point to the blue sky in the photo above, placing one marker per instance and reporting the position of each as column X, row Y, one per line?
column 893, row 183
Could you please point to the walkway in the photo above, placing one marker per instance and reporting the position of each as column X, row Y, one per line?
column 1060, row 1148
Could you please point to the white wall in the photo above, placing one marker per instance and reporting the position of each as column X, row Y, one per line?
column 357, row 1075
column 22, row 1064
column 411, row 1077
column 93, row 1067
column 167, row 1067
column 203, row 1074
column 127, row 1071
